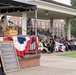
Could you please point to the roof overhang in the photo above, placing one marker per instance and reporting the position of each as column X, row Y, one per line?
column 55, row 10
column 14, row 6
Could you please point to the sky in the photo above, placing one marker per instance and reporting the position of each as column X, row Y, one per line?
column 64, row 1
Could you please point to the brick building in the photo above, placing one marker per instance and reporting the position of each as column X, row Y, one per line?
column 58, row 25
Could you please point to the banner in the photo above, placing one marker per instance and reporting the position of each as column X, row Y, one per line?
column 23, row 44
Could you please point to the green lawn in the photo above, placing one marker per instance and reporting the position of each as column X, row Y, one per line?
column 73, row 55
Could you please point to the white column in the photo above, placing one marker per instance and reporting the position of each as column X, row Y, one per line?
column 36, row 22
column 51, row 25
column 68, row 28
column 24, row 23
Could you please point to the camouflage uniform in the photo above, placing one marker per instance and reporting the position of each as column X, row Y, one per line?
column 3, row 25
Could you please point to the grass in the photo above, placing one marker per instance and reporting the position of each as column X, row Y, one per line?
column 73, row 55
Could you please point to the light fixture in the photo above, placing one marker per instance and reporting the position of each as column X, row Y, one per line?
column 46, row 13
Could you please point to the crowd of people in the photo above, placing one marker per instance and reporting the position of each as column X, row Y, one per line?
column 48, row 43
column 51, row 43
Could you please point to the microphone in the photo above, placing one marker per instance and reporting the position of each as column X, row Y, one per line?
column 11, row 22
column 15, row 25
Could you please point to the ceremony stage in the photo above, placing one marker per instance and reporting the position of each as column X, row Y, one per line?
column 26, row 49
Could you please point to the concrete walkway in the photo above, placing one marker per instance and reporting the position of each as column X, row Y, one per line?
column 51, row 64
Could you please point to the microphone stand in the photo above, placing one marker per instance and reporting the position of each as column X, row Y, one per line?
column 16, row 25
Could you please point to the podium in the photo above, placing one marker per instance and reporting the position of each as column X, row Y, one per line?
column 11, row 32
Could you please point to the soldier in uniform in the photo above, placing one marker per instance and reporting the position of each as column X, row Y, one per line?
column 3, row 25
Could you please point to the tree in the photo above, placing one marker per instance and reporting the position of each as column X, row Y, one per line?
column 73, row 21
column 73, row 27
column 73, row 2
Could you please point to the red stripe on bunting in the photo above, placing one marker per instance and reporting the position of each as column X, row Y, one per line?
column 27, row 47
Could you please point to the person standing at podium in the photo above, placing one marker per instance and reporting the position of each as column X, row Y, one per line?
column 3, row 25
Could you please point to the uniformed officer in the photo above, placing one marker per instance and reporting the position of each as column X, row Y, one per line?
column 3, row 25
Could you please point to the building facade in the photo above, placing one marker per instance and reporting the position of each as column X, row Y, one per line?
column 58, row 25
